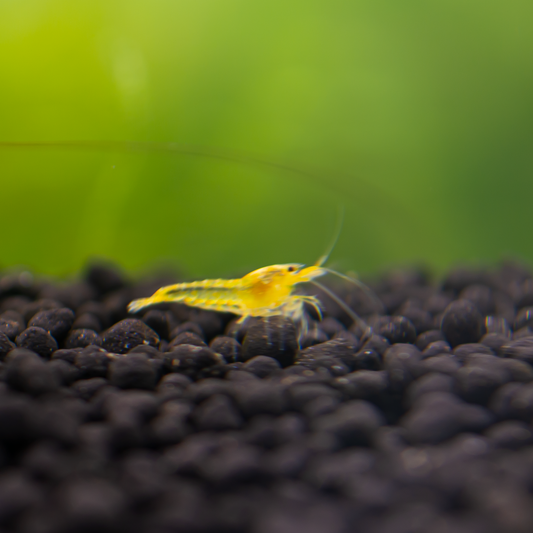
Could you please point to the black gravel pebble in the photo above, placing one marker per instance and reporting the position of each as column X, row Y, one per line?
column 190, row 359
column 217, row 413
column 274, row 337
column 158, row 321
column 38, row 340
column 352, row 424
column 397, row 329
column 462, row 323
column 27, row 372
column 402, row 363
column 367, row 359
column 10, row 328
column 92, row 362
column 56, row 321
column 128, row 334
column 436, row 348
column 189, row 326
column 80, row 338
column 5, row 346
column 187, row 337
column 262, row 366
column 132, row 371
column 419, row 318
column 426, row 338
column 185, row 420
column 511, row 434
column 376, row 343
column 494, row 341
column 228, row 347
column 521, row 349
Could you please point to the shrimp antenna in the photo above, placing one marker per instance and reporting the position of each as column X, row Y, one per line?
column 224, row 154
column 340, row 222
column 350, row 312
column 359, row 284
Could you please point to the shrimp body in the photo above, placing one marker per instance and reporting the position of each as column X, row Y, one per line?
column 265, row 292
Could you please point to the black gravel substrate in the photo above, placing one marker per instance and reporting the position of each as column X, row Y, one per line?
column 178, row 420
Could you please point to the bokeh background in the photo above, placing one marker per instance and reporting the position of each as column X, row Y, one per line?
column 416, row 115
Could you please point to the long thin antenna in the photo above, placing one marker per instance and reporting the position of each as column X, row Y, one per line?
column 224, row 154
column 333, row 243
column 350, row 312
column 340, row 186
column 369, row 292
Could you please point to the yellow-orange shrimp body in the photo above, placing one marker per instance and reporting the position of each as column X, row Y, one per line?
column 264, row 292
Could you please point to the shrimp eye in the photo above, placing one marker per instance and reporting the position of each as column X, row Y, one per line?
column 291, row 269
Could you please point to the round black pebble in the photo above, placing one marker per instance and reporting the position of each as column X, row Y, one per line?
column 396, row 329
column 190, row 360
column 420, row 319
column 494, row 341
column 128, row 334
column 5, row 346
column 511, row 434
column 436, row 348
column 158, row 321
column 190, row 326
column 273, row 337
column 353, row 424
column 521, row 349
column 229, row 347
column 132, row 371
column 439, row 416
column 56, row 321
column 364, row 385
column 462, row 323
column 80, row 338
column 262, row 366
column 37, row 340
column 426, row 338
column 68, row 355
column 27, row 372
column 367, row 359
column 217, row 413
column 92, row 362
column 377, row 343
column 402, row 363
column 186, row 337
column 10, row 328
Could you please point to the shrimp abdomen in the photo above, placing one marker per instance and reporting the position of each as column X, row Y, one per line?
column 210, row 294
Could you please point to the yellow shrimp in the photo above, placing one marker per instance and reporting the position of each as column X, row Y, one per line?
column 265, row 292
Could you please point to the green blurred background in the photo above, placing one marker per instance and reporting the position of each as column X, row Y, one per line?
column 416, row 114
